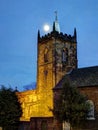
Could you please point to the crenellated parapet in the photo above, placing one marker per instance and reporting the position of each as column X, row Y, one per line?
column 57, row 35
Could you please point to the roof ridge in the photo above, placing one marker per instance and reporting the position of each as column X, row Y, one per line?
column 87, row 67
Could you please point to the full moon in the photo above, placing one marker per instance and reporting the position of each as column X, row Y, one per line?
column 46, row 28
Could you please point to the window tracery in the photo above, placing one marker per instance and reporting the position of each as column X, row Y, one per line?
column 90, row 115
column 65, row 55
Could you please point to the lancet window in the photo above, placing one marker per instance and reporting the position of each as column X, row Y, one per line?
column 90, row 115
column 64, row 55
column 46, row 55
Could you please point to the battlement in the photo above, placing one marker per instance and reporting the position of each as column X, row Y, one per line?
column 57, row 35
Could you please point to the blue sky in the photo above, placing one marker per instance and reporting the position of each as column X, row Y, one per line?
column 19, row 23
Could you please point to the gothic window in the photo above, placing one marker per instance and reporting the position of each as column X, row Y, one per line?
column 46, row 55
column 63, row 56
column 71, row 50
column 90, row 115
column 45, row 58
column 44, row 125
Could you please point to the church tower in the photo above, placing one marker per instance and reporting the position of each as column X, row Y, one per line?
column 57, row 56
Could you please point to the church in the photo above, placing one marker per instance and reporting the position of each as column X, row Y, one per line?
column 56, row 60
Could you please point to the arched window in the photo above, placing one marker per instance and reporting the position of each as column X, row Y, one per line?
column 63, row 56
column 90, row 115
column 46, row 55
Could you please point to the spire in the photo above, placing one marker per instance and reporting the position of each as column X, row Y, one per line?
column 75, row 34
column 56, row 17
column 56, row 26
column 53, row 26
column 38, row 36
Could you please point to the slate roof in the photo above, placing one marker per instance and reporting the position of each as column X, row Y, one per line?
column 81, row 77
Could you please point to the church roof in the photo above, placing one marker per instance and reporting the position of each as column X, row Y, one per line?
column 81, row 77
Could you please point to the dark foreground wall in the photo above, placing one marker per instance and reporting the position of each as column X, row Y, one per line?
column 91, row 92
column 41, row 123
column 24, row 125
column 37, row 123
column 91, row 125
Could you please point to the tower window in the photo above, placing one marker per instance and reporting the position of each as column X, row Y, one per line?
column 46, row 55
column 63, row 56
column 45, row 58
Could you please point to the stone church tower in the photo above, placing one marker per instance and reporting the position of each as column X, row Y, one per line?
column 57, row 55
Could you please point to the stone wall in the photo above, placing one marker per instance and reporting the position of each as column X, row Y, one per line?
column 41, row 123
column 92, row 94
column 24, row 125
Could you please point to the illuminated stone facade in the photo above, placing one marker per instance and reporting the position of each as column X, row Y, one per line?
column 56, row 59
column 57, row 55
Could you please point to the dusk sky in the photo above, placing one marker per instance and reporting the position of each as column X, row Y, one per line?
column 19, row 24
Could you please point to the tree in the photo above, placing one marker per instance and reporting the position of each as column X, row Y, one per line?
column 10, row 108
column 71, row 106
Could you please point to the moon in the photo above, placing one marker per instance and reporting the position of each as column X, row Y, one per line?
column 46, row 27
